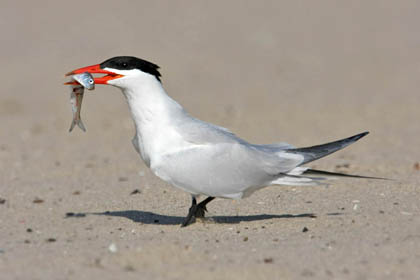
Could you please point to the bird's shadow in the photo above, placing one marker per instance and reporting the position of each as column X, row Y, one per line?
column 146, row 217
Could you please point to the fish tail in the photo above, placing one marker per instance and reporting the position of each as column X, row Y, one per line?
column 81, row 125
column 73, row 122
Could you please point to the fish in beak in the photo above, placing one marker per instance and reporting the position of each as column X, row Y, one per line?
column 95, row 69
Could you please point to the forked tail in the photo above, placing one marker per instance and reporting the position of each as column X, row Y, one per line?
column 301, row 175
column 310, row 171
column 79, row 124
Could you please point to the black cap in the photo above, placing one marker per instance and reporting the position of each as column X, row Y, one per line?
column 131, row 62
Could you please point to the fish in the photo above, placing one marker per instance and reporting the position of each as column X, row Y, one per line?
column 85, row 79
column 78, row 84
column 76, row 97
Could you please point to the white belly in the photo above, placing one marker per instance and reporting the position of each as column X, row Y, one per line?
column 225, row 172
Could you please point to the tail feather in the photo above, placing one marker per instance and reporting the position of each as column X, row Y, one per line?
column 81, row 125
column 328, row 173
column 296, row 180
column 301, row 176
column 319, row 151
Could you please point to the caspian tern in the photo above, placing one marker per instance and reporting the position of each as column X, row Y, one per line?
column 198, row 157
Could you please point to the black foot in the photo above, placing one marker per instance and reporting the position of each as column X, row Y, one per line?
column 191, row 213
column 196, row 210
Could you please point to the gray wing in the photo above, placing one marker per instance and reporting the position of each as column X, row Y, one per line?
column 273, row 158
column 274, row 148
column 199, row 132
column 319, row 151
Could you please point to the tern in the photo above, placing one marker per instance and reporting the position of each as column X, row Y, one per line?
column 199, row 157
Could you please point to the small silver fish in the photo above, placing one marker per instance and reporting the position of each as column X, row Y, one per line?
column 76, row 97
column 78, row 84
column 85, row 79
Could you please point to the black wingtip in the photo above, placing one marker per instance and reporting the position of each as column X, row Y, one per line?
column 358, row 136
column 319, row 151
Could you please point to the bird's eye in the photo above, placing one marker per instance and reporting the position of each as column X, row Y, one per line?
column 124, row 64
column 90, row 81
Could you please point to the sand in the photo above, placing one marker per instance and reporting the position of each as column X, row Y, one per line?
column 301, row 72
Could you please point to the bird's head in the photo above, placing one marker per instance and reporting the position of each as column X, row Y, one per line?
column 121, row 71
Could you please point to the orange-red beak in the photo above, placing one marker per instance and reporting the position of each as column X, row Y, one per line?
column 94, row 69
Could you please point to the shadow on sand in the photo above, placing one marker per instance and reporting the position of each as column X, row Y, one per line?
column 153, row 218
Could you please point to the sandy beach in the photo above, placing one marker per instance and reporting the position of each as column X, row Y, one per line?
column 84, row 205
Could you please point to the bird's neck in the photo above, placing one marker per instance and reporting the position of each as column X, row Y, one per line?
column 154, row 114
column 150, row 105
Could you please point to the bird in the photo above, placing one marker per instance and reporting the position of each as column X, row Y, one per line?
column 198, row 157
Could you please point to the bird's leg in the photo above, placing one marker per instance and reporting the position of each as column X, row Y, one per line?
column 196, row 210
column 191, row 213
column 201, row 207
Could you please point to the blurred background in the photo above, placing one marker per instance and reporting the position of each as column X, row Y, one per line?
column 303, row 72
column 297, row 71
